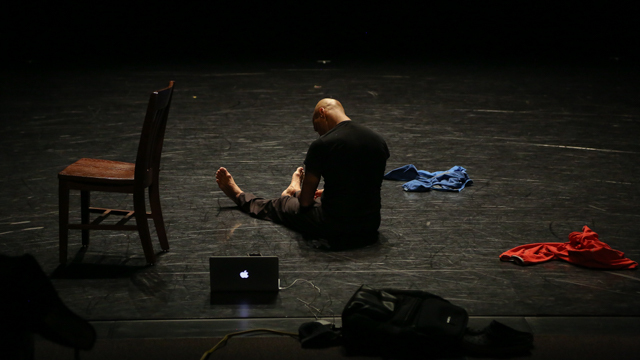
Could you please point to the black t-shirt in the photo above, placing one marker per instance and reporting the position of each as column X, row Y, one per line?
column 351, row 158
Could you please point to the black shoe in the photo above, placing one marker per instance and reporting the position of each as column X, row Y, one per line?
column 497, row 339
column 318, row 334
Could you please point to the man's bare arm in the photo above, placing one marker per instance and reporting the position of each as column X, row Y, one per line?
column 309, row 186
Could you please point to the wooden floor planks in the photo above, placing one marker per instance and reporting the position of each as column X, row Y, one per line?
column 549, row 149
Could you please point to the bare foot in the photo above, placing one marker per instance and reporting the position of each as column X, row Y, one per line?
column 296, row 183
column 227, row 185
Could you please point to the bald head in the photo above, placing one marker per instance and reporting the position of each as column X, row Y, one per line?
column 329, row 105
column 327, row 114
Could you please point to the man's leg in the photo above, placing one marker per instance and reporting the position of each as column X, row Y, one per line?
column 247, row 202
column 232, row 190
column 311, row 222
column 284, row 210
column 258, row 207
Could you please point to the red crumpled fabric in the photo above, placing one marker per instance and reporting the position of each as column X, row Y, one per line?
column 583, row 248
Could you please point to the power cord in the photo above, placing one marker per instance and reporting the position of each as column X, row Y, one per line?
column 296, row 280
column 316, row 312
column 229, row 336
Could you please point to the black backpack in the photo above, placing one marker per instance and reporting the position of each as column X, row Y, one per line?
column 402, row 322
column 408, row 324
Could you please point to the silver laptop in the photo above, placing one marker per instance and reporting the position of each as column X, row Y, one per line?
column 244, row 274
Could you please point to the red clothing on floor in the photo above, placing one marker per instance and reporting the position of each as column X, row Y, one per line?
column 583, row 248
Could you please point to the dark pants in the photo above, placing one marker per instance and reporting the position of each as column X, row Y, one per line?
column 311, row 222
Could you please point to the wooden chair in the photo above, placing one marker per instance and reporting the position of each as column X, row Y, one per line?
column 89, row 175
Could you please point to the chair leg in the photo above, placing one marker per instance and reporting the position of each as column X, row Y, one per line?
column 143, row 227
column 85, row 199
column 63, row 220
column 156, row 213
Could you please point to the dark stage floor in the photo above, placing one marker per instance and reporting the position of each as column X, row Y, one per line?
column 550, row 149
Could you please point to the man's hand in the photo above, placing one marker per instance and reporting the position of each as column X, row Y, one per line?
column 318, row 193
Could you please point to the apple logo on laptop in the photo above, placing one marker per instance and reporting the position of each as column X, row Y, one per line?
column 244, row 274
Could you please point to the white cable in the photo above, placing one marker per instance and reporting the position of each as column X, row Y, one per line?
column 296, row 280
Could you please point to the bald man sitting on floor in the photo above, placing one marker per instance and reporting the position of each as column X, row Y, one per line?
column 351, row 159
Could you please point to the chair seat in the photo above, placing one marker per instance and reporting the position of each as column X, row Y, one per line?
column 99, row 171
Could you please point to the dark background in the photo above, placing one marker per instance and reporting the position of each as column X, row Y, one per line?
column 214, row 31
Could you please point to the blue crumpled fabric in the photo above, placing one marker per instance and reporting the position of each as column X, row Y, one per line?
column 454, row 179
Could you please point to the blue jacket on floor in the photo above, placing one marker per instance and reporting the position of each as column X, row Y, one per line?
column 454, row 179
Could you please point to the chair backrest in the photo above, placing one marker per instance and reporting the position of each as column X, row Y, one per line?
column 152, row 137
